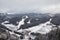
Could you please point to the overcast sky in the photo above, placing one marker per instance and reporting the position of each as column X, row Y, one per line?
column 50, row 6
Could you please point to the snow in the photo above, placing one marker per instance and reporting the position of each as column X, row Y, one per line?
column 41, row 28
column 21, row 23
column 14, row 27
column 29, row 22
column 6, row 22
column 37, row 19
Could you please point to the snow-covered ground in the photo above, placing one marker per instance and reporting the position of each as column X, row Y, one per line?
column 41, row 28
column 14, row 27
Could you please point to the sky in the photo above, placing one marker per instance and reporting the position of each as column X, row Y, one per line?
column 27, row 6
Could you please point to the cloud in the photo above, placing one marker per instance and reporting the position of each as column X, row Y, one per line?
column 3, row 10
column 30, row 5
column 51, row 9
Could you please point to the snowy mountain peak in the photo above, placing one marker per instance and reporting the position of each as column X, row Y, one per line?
column 25, row 17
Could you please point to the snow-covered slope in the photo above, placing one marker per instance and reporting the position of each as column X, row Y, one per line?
column 42, row 28
column 14, row 27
